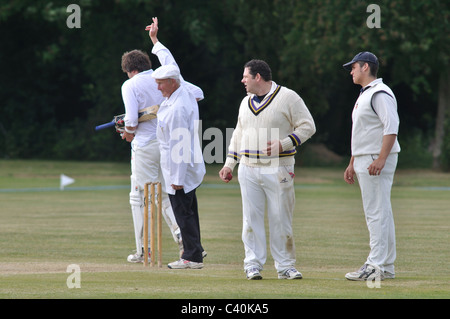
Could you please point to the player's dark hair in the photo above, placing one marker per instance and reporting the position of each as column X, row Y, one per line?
column 261, row 67
column 136, row 60
column 372, row 66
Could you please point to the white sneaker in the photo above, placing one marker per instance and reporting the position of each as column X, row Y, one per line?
column 138, row 258
column 135, row 258
column 366, row 272
column 185, row 264
column 253, row 274
column 290, row 273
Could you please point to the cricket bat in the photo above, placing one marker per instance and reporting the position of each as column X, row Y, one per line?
column 147, row 114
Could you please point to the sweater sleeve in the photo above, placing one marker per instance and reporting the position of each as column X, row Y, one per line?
column 301, row 121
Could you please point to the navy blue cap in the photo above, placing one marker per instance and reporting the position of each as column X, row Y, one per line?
column 361, row 56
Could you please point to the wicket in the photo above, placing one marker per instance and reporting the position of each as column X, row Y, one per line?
column 158, row 213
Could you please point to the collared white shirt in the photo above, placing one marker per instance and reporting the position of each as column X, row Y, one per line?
column 384, row 106
column 139, row 92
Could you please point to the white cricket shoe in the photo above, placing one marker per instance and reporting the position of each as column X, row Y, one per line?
column 138, row 257
column 185, row 264
column 366, row 272
column 135, row 258
column 290, row 273
column 253, row 274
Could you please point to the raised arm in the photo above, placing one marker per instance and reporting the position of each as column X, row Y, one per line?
column 165, row 57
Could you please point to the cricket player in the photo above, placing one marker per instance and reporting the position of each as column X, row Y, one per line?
column 375, row 151
column 138, row 92
column 273, row 120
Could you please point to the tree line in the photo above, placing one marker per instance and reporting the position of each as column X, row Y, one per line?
column 59, row 81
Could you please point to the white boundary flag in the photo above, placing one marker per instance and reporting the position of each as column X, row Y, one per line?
column 64, row 181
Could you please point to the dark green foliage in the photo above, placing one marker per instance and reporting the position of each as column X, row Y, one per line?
column 58, row 83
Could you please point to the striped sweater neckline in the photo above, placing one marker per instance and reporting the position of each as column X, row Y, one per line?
column 256, row 110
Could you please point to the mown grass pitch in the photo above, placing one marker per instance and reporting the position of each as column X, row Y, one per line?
column 43, row 232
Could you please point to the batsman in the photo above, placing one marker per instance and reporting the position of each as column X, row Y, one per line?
column 139, row 93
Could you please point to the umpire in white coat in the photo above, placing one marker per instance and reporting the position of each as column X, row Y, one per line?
column 374, row 160
column 138, row 92
column 182, row 162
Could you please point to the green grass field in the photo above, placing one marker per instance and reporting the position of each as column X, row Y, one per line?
column 44, row 230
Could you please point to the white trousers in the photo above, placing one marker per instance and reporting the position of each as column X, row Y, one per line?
column 145, row 168
column 273, row 187
column 376, row 198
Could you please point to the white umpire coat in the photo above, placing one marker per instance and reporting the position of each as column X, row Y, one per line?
column 177, row 132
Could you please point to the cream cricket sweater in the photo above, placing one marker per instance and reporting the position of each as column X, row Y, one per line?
column 281, row 115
